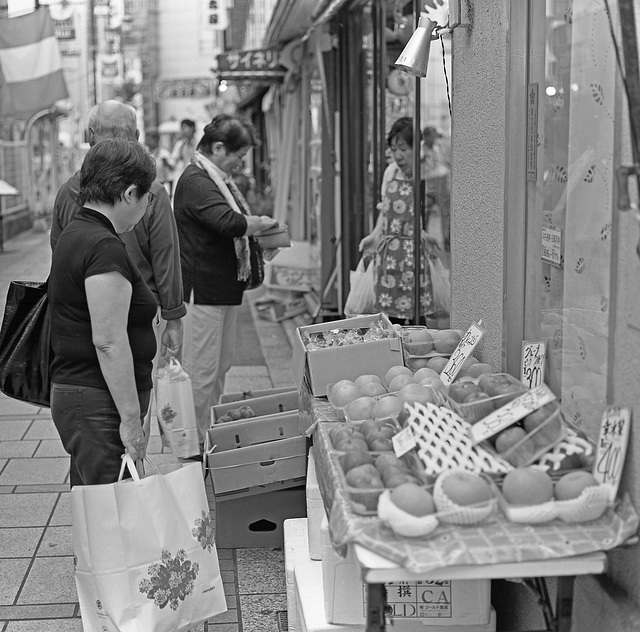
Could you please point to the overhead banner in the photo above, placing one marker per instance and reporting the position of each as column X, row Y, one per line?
column 250, row 65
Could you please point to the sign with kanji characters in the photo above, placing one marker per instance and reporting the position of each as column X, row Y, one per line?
column 532, row 132
column 552, row 245
column 215, row 15
column 612, row 447
column 251, row 64
column 421, row 599
column 532, row 367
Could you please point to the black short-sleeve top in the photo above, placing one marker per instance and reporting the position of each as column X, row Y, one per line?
column 88, row 246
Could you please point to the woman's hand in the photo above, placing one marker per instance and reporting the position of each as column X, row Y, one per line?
column 432, row 242
column 369, row 243
column 132, row 437
column 257, row 223
column 171, row 341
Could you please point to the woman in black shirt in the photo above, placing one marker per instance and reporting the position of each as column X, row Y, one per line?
column 102, row 313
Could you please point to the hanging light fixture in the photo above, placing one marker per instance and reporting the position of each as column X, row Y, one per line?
column 415, row 56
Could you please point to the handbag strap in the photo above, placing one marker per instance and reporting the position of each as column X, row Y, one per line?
column 129, row 463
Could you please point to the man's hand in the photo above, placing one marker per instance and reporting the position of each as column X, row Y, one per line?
column 132, row 437
column 171, row 341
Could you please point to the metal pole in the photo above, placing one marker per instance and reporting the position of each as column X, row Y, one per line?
column 416, row 184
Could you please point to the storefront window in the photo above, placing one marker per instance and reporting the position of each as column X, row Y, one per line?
column 570, row 171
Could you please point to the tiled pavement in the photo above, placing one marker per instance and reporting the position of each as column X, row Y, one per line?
column 37, row 588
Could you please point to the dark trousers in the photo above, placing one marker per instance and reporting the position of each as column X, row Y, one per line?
column 89, row 426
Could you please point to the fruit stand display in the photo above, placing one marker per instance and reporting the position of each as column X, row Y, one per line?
column 432, row 473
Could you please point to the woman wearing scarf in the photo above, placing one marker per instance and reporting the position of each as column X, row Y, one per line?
column 214, row 223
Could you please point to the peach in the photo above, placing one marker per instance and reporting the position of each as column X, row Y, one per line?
column 366, row 379
column 508, row 438
column 412, row 393
column 396, row 370
column 387, row 407
column 417, row 364
column 399, row 381
column 527, row 486
column 478, row 369
column 437, row 364
column 446, row 340
column 343, row 392
column 420, row 374
column 413, row 499
column 373, row 389
column 360, row 409
column 572, row 484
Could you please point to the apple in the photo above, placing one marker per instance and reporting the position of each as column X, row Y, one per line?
column 341, row 431
column 459, row 390
column 360, row 409
column 488, row 381
column 373, row 389
column 366, row 379
column 544, row 425
column 506, row 393
column 344, row 392
column 380, row 445
column 387, row 406
column 437, row 364
column 351, row 443
column 418, row 341
column 353, row 458
column 389, row 462
column 478, row 369
column 416, row 364
column 572, row 484
column 399, row 381
column 481, row 406
column 396, row 370
column 446, row 340
column 420, row 374
column 527, row 486
column 412, row 393
column 469, row 362
column 508, row 438
column 394, row 479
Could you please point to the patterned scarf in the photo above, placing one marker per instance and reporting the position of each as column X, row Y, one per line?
column 236, row 201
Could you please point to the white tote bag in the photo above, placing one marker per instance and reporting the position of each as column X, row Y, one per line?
column 146, row 560
column 362, row 296
column 176, row 412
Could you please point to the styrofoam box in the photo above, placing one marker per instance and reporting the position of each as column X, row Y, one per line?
column 296, row 551
column 310, row 598
column 416, row 604
column 329, row 365
column 315, row 510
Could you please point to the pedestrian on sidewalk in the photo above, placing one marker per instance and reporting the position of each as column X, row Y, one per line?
column 102, row 316
column 214, row 223
column 152, row 245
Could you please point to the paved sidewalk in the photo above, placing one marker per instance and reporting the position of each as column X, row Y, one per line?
column 37, row 588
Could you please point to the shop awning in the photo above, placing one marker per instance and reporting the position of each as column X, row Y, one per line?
column 323, row 14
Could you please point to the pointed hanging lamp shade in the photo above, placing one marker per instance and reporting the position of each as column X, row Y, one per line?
column 414, row 58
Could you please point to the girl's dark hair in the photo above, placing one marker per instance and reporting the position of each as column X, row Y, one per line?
column 232, row 131
column 402, row 128
column 111, row 166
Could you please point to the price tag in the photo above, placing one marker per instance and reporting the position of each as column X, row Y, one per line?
column 403, row 441
column 464, row 349
column 612, row 447
column 532, row 369
column 511, row 412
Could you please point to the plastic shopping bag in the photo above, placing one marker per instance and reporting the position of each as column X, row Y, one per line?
column 441, row 284
column 362, row 296
column 176, row 411
column 145, row 553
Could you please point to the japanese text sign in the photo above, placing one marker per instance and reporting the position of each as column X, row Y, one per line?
column 532, row 367
column 511, row 412
column 251, row 64
column 464, row 349
column 612, row 447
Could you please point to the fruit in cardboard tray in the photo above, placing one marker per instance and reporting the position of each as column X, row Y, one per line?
column 399, row 381
column 459, row 390
column 418, row 341
column 399, row 369
column 352, row 443
column 360, row 408
column 388, row 406
column 380, row 444
column 437, row 364
column 482, row 404
column 243, row 412
column 361, row 380
column 353, row 458
column 420, row 374
column 527, row 486
column 364, row 476
column 571, row 484
column 545, row 431
column 343, row 392
column 466, row 488
column 413, row 499
column 416, row 364
column 487, row 382
column 373, row 389
column 412, row 393
column 478, row 369
column 446, row 340
column 390, row 462
column 339, row 432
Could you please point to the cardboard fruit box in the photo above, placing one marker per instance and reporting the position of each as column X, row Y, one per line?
column 227, row 398
column 251, row 452
column 329, row 365
column 266, row 405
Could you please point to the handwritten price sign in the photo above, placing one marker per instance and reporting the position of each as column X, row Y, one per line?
column 612, row 447
column 532, row 369
column 511, row 412
column 464, row 349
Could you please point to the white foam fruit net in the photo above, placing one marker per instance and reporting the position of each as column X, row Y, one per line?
column 444, row 444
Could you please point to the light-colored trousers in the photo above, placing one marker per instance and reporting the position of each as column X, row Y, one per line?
column 208, row 352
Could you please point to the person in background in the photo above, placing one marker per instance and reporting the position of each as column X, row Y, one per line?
column 102, row 317
column 183, row 150
column 152, row 244
column 162, row 157
column 214, row 222
column 437, row 169
column 392, row 238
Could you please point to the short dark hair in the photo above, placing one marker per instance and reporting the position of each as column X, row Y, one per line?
column 111, row 166
column 188, row 122
column 234, row 132
column 402, row 128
